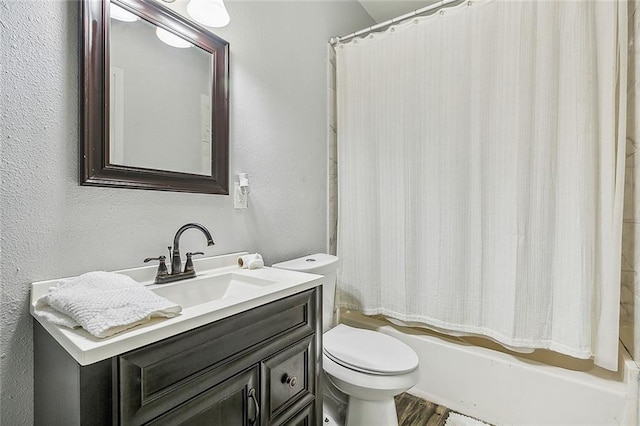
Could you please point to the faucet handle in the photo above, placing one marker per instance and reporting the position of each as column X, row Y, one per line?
column 162, row 266
column 188, row 266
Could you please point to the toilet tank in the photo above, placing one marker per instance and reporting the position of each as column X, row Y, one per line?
column 320, row 264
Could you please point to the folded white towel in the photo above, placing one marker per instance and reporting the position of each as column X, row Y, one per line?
column 251, row 261
column 103, row 303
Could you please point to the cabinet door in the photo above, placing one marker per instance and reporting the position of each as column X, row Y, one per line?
column 305, row 417
column 230, row 403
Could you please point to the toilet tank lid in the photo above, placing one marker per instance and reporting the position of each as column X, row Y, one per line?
column 319, row 263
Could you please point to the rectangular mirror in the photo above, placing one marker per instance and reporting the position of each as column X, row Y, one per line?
column 155, row 97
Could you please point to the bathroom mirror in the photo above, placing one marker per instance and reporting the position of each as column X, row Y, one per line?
column 155, row 99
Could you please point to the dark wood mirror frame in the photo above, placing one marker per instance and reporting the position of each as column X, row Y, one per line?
column 94, row 150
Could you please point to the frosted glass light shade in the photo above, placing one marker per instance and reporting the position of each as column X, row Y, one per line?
column 209, row 12
column 116, row 12
column 172, row 39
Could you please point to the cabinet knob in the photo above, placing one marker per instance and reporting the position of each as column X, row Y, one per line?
column 291, row 381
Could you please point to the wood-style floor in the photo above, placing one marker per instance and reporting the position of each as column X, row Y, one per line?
column 414, row 411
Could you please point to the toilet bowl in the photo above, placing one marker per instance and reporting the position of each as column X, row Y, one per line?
column 369, row 367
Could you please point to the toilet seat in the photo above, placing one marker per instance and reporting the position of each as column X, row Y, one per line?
column 368, row 351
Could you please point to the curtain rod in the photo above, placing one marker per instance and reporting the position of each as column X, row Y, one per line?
column 441, row 3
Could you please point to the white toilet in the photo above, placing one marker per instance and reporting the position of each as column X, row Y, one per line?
column 369, row 367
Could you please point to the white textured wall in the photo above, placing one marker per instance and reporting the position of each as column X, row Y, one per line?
column 51, row 227
column 630, row 291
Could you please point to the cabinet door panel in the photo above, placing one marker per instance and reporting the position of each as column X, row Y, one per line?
column 305, row 417
column 227, row 403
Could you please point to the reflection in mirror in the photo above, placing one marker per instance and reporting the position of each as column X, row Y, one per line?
column 155, row 99
column 160, row 99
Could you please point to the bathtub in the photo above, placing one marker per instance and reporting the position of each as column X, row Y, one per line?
column 477, row 377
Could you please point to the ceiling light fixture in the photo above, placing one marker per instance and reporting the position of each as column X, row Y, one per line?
column 116, row 12
column 171, row 39
column 211, row 13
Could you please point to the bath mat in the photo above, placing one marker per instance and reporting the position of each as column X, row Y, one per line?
column 456, row 419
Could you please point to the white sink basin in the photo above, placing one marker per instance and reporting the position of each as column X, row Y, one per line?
column 194, row 292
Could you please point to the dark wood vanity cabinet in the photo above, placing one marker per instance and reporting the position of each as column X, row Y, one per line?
column 259, row 367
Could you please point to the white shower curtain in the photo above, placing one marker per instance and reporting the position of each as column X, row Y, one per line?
column 481, row 171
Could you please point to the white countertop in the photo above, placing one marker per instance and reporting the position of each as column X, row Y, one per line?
column 87, row 349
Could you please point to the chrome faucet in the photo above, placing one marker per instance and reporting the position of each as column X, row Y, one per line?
column 163, row 276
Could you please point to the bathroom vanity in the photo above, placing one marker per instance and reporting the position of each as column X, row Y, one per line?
column 252, row 359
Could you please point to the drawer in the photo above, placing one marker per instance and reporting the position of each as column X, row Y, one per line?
column 172, row 371
column 289, row 377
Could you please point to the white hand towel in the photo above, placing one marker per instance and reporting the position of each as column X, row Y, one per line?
column 251, row 261
column 103, row 303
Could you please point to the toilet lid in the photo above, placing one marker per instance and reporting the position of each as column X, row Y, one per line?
column 368, row 351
